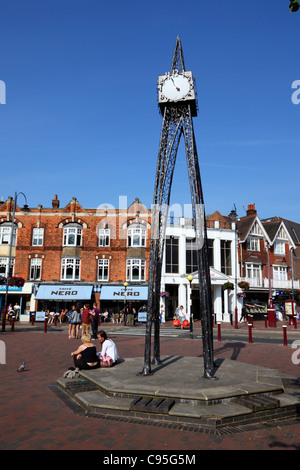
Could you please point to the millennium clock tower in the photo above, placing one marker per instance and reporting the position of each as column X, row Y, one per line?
column 178, row 104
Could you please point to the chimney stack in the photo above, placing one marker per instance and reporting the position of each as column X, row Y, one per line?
column 55, row 202
column 251, row 209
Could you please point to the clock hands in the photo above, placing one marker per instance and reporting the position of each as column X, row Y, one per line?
column 178, row 89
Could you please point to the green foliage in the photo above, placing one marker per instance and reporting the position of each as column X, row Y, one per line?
column 294, row 5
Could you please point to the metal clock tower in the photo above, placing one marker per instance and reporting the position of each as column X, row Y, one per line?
column 178, row 104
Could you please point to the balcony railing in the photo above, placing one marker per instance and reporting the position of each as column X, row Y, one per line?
column 275, row 283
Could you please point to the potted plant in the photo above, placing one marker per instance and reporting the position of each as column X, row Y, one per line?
column 164, row 294
column 16, row 281
column 228, row 286
column 244, row 285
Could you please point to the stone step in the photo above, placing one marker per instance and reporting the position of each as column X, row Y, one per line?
column 96, row 400
column 216, row 412
column 257, row 402
column 152, row 405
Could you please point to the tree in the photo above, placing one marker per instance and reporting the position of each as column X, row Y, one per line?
column 294, row 5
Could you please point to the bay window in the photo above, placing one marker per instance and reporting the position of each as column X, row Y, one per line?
column 135, row 269
column 70, row 269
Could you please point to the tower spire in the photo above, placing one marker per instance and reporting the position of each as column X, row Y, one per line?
column 178, row 61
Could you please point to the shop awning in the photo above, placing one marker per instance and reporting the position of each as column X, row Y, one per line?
column 118, row 293
column 62, row 292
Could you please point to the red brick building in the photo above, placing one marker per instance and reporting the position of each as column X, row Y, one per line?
column 74, row 246
column 269, row 258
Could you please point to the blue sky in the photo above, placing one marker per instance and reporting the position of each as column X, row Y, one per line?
column 81, row 116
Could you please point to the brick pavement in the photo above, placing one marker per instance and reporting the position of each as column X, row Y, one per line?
column 33, row 418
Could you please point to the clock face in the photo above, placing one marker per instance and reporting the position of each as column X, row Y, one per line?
column 176, row 87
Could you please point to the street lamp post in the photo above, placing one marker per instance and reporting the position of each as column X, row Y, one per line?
column 9, row 256
column 233, row 215
column 190, row 279
column 124, row 316
column 271, row 310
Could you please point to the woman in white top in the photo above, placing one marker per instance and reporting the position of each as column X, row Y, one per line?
column 109, row 353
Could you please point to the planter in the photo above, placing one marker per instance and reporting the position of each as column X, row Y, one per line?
column 228, row 286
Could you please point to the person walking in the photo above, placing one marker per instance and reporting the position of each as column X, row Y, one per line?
column 181, row 314
column 76, row 321
column 244, row 316
column 95, row 321
column 86, row 319
column 70, row 316
column 130, row 315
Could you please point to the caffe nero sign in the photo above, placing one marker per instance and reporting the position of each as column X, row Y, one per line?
column 57, row 292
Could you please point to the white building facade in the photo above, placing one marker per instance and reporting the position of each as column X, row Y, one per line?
column 180, row 261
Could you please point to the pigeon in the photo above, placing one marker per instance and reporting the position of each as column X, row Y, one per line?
column 22, row 367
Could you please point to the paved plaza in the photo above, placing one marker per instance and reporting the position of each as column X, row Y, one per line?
column 35, row 418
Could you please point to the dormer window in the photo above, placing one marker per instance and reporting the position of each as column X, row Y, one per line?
column 136, row 236
column 72, row 235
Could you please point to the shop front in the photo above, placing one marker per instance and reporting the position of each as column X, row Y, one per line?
column 18, row 298
column 61, row 297
column 113, row 298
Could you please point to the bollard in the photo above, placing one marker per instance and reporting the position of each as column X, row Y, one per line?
column 284, row 335
column 55, row 320
column 251, row 320
column 32, row 318
column 219, row 331
column 45, row 325
column 13, row 324
column 250, row 332
column 266, row 321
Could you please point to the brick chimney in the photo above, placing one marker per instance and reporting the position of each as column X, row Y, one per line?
column 55, row 202
column 251, row 209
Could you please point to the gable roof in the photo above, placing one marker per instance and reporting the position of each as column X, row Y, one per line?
column 292, row 229
column 245, row 224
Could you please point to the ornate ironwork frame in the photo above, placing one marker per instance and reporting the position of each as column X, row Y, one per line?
column 177, row 122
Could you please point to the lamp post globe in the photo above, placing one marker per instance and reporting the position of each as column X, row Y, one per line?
column 124, row 314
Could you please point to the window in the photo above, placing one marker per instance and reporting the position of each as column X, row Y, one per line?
column 172, row 255
column 280, row 273
column 253, row 244
column 72, row 235
column 210, row 244
column 104, row 236
column 35, row 269
column 136, row 236
column 4, row 266
column 254, row 274
column 191, row 255
column 70, row 269
column 136, row 269
column 5, row 232
column 103, row 269
column 226, row 257
column 279, row 248
column 37, row 236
